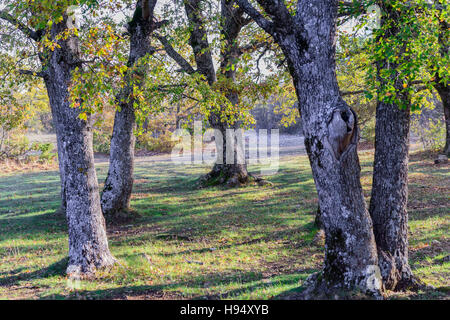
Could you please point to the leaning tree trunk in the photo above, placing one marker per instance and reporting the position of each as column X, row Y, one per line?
column 444, row 93
column 119, row 182
column 88, row 244
column 331, row 137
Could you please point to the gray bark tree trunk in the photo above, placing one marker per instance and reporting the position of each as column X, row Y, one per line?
column 88, row 244
column 444, row 93
column 388, row 204
column 389, row 199
column 119, row 182
column 231, row 174
column 331, row 135
column 441, row 87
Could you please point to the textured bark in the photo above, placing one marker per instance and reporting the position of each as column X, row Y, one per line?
column 444, row 93
column 234, row 174
column 441, row 87
column 331, row 135
column 88, row 245
column 119, row 182
column 388, row 204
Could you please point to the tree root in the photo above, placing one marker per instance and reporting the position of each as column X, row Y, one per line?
column 316, row 288
column 230, row 180
column 393, row 278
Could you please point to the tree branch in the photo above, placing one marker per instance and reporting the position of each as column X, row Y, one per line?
column 277, row 10
column 31, row 73
column 183, row 63
column 30, row 33
column 265, row 24
column 252, row 47
column 351, row 93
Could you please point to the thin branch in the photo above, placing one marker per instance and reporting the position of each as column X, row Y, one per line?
column 351, row 93
column 252, row 47
column 265, row 24
column 31, row 73
column 182, row 62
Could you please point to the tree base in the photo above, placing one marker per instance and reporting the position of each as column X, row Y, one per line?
column 412, row 283
column 85, row 271
column 316, row 288
column 230, row 179
column 393, row 279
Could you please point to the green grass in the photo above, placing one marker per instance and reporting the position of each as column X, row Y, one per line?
column 246, row 243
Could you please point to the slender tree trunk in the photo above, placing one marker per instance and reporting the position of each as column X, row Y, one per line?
column 331, row 137
column 388, row 204
column 444, row 93
column 389, row 199
column 88, row 244
column 441, row 86
column 119, row 182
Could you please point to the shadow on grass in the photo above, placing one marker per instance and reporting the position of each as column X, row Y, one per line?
column 17, row 275
column 248, row 282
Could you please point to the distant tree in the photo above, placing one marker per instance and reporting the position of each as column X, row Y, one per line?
column 218, row 46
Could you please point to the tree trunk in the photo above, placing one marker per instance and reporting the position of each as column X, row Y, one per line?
column 230, row 172
column 331, row 136
column 388, row 203
column 119, row 182
column 441, row 85
column 444, row 93
column 88, row 244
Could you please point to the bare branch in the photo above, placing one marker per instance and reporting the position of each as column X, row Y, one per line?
column 31, row 73
column 252, row 47
column 183, row 63
column 351, row 93
column 265, row 24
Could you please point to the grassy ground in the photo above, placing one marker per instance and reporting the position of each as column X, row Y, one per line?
column 248, row 243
